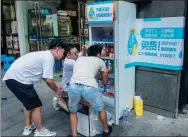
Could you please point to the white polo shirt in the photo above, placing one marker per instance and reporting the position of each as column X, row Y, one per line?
column 67, row 72
column 30, row 68
column 85, row 69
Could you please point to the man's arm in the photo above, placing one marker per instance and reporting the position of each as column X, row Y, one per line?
column 104, row 73
column 104, row 76
column 51, row 83
column 47, row 76
column 108, row 70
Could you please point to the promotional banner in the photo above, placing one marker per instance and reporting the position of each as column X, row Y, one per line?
column 156, row 42
column 100, row 12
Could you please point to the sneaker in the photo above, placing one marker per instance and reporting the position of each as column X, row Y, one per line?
column 106, row 134
column 55, row 103
column 28, row 130
column 45, row 132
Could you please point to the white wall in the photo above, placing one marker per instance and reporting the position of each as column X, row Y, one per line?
column 21, row 15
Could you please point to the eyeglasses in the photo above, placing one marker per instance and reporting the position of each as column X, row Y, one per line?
column 75, row 53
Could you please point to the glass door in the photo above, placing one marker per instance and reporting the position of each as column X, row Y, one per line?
column 40, row 19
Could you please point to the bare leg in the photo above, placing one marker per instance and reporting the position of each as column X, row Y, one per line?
column 27, row 115
column 36, row 116
column 103, row 118
column 73, row 122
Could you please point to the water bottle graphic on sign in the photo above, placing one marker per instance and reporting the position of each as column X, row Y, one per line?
column 92, row 13
column 132, row 43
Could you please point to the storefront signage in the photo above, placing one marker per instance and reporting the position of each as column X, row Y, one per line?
column 156, row 42
column 45, row 11
column 100, row 12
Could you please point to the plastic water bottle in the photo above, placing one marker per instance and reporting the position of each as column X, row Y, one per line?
column 101, row 86
column 127, row 116
column 112, row 85
column 109, row 64
column 105, row 61
column 108, row 87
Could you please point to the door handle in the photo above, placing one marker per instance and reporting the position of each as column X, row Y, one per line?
column 116, row 64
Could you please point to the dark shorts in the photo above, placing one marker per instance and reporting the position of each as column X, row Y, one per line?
column 25, row 93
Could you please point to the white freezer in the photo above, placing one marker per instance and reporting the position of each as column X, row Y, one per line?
column 124, row 78
column 124, row 88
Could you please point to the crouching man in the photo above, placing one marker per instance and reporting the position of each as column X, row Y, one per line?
column 71, row 54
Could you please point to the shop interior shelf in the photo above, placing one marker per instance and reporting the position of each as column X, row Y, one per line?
column 108, row 58
column 111, row 75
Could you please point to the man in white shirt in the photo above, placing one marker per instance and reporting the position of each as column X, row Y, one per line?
column 28, row 70
column 71, row 54
column 83, row 85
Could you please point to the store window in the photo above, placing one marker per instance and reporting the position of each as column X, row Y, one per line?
column 9, row 30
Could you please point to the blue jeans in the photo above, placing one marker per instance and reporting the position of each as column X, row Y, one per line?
column 92, row 95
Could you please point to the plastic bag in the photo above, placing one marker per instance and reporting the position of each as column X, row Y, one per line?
column 95, row 124
column 138, row 105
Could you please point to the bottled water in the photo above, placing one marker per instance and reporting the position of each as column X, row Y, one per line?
column 105, row 61
column 100, row 86
column 127, row 116
column 109, row 64
column 112, row 85
column 108, row 87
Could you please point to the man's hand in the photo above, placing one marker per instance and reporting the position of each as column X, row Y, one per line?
column 59, row 91
column 108, row 71
column 104, row 76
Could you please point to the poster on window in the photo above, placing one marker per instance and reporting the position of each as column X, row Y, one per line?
column 156, row 42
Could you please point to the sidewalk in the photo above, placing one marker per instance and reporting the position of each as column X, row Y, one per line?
column 12, row 118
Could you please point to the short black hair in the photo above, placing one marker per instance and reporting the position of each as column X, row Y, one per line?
column 68, row 47
column 55, row 44
column 94, row 50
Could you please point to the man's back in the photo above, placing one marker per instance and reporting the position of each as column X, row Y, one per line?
column 85, row 70
column 29, row 68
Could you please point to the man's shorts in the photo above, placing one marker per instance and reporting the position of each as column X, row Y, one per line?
column 25, row 93
column 92, row 95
